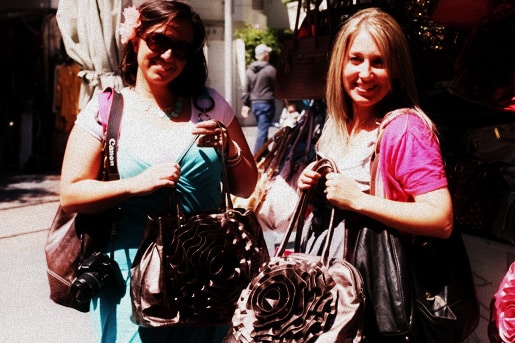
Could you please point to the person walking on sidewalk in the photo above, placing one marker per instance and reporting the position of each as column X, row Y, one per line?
column 258, row 93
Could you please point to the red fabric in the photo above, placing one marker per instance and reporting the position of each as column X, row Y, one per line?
column 461, row 14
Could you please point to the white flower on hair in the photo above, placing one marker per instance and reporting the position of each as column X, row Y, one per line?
column 132, row 21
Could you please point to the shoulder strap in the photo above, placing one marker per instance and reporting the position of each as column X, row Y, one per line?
column 110, row 111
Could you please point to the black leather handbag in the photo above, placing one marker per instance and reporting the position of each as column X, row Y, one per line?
column 430, row 296
column 191, row 271
column 418, row 289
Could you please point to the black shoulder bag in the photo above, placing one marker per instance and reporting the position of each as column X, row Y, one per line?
column 418, row 289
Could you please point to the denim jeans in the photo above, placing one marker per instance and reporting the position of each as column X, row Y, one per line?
column 265, row 113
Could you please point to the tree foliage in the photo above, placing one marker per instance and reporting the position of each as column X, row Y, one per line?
column 252, row 37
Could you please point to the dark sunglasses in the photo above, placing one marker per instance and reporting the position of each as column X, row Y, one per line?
column 159, row 43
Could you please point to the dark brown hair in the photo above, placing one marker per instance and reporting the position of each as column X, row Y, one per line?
column 155, row 12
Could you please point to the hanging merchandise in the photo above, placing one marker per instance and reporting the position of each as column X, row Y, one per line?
column 304, row 59
column 452, row 13
column 290, row 150
column 485, row 71
column 66, row 95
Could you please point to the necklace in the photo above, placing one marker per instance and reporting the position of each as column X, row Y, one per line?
column 175, row 110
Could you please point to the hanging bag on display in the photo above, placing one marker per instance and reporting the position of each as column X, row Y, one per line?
column 303, row 61
column 300, row 297
column 191, row 270
column 430, row 294
column 281, row 177
column 72, row 236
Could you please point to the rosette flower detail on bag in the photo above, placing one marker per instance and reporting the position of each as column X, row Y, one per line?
column 132, row 22
column 287, row 296
column 209, row 267
column 296, row 298
column 502, row 323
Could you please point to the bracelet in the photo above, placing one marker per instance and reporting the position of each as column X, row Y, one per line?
column 233, row 162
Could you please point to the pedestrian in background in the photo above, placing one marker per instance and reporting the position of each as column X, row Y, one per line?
column 258, row 93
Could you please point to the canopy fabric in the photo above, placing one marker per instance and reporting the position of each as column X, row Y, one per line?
column 89, row 30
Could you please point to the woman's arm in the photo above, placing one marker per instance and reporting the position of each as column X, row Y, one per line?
column 430, row 214
column 243, row 173
column 81, row 191
column 243, row 176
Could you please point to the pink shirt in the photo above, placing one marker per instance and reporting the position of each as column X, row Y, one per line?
column 410, row 158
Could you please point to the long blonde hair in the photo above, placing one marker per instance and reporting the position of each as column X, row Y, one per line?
column 392, row 43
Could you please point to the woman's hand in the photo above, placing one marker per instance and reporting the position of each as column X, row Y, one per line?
column 308, row 178
column 341, row 191
column 155, row 177
column 211, row 134
column 216, row 136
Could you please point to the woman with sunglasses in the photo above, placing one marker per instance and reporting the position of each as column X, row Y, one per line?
column 165, row 105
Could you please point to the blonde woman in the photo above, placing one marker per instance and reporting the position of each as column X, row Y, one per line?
column 370, row 87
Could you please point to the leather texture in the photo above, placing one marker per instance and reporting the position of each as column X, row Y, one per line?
column 430, row 296
column 300, row 297
column 191, row 271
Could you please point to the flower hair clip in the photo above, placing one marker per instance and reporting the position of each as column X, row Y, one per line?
column 132, row 22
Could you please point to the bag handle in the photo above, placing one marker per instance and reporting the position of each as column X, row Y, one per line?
column 227, row 205
column 322, row 166
column 305, row 135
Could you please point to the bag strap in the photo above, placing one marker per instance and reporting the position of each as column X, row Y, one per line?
column 322, row 166
column 203, row 108
column 114, row 113
column 110, row 112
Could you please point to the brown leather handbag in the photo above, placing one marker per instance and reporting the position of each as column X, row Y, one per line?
column 191, row 271
column 301, row 297
column 73, row 237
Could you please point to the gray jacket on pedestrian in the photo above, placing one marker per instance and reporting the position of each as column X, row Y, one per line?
column 259, row 83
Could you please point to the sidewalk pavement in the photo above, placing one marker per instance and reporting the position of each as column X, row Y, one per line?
column 27, row 206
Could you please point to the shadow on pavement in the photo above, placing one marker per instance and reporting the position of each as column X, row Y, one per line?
column 21, row 190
